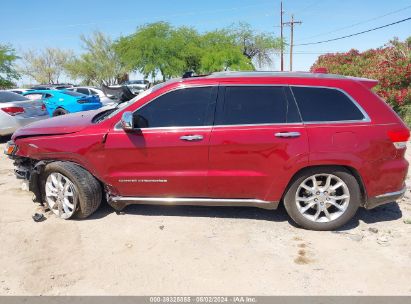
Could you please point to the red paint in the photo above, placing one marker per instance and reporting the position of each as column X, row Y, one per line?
column 231, row 161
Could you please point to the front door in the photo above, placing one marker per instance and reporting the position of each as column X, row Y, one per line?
column 167, row 154
column 257, row 144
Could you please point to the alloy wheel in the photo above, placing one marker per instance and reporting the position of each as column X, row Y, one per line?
column 60, row 195
column 322, row 198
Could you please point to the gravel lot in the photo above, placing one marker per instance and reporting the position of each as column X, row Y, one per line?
column 152, row 250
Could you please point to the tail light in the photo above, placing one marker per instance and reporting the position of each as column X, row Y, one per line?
column 43, row 107
column 13, row 111
column 399, row 137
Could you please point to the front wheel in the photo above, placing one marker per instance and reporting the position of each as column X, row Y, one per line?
column 70, row 191
column 323, row 198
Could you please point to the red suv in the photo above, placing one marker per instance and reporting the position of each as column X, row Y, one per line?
column 322, row 144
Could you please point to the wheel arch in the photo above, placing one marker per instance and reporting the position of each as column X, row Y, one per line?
column 351, row 169
column 36, row 173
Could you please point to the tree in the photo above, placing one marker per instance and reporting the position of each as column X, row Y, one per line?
column 257, row 47
column 159, row 48
column 100, row 63
column 220, row 53
column 390, row 65
column 152, row 49
column 46, row 66
column 8, row 72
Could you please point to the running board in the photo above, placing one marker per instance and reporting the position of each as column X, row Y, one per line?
column 120, row 202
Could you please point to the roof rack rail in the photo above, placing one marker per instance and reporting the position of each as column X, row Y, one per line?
column 191, row 74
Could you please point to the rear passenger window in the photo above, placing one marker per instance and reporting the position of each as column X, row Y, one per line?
column 324, row 104
column 256, row 105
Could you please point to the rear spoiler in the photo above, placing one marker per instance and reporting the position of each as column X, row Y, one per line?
column 368, row 83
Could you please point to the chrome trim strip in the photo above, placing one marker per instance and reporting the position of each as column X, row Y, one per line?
column 400, row 192
column 195, row 201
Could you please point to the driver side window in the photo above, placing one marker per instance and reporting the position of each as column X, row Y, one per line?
column 189, row 107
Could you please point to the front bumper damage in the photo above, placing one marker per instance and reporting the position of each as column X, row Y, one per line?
column 30, row 170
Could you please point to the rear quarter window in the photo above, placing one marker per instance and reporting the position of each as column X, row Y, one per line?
column 326, row 104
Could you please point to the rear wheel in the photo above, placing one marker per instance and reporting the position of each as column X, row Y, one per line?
column 70, row 191
column 59, row 112
column 323, row 198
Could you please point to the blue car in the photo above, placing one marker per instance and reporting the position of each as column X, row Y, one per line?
column 63, row 102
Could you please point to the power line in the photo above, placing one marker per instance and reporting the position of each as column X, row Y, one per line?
column 356, row 34
column 359, row 23
column 141, row 20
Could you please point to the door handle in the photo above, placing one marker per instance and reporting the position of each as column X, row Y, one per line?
column 192, row 137
column 287, row 134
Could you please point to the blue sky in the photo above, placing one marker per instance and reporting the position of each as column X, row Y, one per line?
column 49, row 23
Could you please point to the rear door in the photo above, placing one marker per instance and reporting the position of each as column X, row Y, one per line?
column 167, row 155
column 257, row 144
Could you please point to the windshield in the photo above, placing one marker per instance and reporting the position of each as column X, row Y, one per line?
column 112, row 112
column 10, row 96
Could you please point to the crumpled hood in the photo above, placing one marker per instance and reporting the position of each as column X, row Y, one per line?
column 64, row 124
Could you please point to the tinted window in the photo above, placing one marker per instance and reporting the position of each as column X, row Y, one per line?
column 255, row 105
column 72, row 93
column 83, row 91
column 10, row 96
column 186, row 107
column 323, row 104
column 93, row 92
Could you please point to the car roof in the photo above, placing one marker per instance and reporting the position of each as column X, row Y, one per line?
column 231, row 75
column 42, row 91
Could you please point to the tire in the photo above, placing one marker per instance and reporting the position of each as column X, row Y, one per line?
column 87, row 191
column 346, row 209
column 59, row 112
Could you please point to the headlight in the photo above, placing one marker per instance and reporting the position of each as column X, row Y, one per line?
column 11, row 148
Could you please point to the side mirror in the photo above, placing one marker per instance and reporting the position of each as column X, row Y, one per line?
column 127, row 121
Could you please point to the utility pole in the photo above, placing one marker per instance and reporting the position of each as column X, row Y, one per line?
column 291, row 24
column 282, row 37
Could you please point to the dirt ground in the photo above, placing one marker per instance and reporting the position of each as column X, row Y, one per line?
column 152, row 250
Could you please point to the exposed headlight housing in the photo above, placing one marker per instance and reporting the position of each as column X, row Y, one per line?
column 11, row 148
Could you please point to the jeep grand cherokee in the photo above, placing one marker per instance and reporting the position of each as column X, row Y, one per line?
column 321, row 144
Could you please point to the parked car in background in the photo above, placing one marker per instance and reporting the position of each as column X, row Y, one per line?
column 17, row 111
column 137, row 86
column 19, row 91
column 55, row 86
column 64, row 102
column 105, row 100
column 323, row 145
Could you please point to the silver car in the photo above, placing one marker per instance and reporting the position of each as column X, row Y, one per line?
column 17, row 111
column 105, row 100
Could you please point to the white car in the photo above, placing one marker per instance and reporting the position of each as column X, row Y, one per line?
column 17, row 111
column 137, row 86
column 19, row 91
column 105, row 100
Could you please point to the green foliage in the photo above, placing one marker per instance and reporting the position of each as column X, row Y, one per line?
column 46, row 66
column 258, row 47
column 160, row 48
column 100, row 63
column 390, row 65
column 8, row 72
